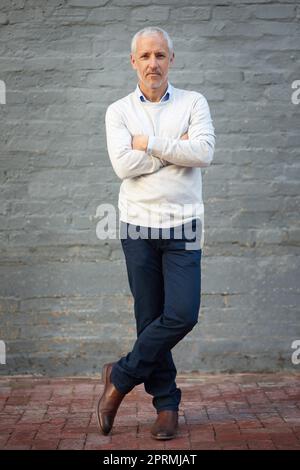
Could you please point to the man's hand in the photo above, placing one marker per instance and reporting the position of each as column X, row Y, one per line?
column 184, row 136
column 140, row 142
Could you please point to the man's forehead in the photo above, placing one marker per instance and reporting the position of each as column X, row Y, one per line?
column 151, row 42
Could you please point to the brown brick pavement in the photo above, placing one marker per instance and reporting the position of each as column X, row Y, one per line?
column 223, row 411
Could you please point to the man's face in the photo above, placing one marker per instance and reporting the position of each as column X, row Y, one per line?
column 152, row 60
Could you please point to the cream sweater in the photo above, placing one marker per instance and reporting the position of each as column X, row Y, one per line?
column 163, row 186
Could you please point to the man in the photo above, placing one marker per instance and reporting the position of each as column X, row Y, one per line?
column 158, row 138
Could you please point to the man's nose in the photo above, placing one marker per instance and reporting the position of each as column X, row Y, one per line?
column 153, row 62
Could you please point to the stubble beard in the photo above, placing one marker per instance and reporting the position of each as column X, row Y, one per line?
column 150, row 84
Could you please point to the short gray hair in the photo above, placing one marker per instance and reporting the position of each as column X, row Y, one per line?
column 147, row 32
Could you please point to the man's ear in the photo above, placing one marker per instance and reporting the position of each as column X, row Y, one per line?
column 172, row 58
column 132, row 61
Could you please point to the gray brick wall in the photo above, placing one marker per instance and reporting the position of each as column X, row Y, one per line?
column 65, row 304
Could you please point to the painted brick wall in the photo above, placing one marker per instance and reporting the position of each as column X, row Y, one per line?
column 65, row 303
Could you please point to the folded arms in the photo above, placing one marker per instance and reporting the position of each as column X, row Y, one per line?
column 133, row 156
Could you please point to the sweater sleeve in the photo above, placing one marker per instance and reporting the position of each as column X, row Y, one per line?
column 126, row 162
column 198, row 150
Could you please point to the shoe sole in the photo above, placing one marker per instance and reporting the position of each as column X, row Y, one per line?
column 163, row 438
column 104, row 380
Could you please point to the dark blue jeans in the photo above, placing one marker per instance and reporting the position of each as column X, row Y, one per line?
column 165, row 280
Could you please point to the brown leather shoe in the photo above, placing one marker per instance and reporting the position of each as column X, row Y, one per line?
column 109, row 402
column 166, row 425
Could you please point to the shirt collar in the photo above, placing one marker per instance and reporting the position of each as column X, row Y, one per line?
column 165, row 97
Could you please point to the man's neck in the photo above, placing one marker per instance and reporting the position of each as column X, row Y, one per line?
column 154, row 94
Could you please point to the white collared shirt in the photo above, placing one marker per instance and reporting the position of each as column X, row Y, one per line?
column 161, row 187
column 165, row 97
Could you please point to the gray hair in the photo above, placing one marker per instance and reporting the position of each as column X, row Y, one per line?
column 147, row 32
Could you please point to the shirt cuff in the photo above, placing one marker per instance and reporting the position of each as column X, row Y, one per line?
column 157, row 146
column 150, row 144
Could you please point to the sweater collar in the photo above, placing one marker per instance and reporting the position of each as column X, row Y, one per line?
column 165, row 97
